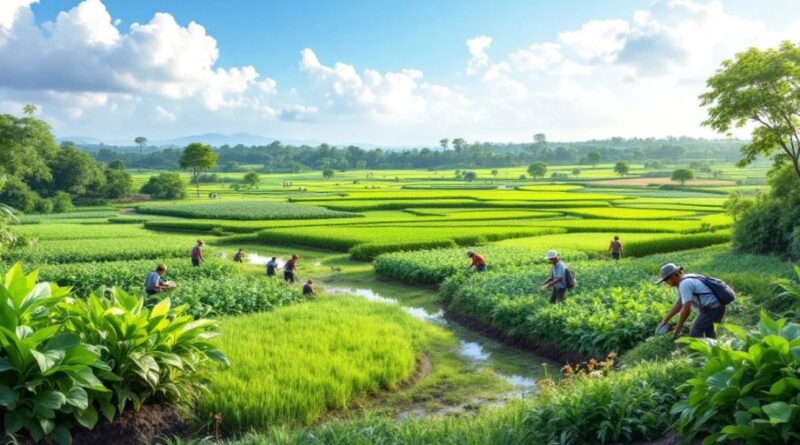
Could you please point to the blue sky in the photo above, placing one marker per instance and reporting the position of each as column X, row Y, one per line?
column 387, row 72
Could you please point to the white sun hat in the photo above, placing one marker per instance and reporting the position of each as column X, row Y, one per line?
column 551, row 254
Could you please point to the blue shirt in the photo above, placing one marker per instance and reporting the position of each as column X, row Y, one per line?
column 153, row 278
column 692, row 290
column 559, row 271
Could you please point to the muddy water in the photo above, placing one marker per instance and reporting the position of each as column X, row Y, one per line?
column 519, row 368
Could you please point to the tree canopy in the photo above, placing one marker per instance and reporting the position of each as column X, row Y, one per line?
column 759, row 87
column 198, row 158
column 682, row 175
column 622, row 168
column 537, row 170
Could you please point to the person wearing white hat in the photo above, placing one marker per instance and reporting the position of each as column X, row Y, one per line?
column 692, row 291
column 558, row 278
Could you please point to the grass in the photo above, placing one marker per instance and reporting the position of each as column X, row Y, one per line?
column 243, row 210
column 294, row 364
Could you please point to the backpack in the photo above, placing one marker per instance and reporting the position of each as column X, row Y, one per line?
column 721, row 289
column 569, row 278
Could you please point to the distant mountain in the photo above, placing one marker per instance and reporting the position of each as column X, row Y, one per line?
column 88, row 140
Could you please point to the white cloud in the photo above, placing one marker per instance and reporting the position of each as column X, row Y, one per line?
column 537, row 57
column 477, row 47
column 163, row 115
column 597, row 40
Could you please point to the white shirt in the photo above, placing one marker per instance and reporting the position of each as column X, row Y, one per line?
column 693, row 291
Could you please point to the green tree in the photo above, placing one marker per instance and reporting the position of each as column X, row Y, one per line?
column 470, row 176
column 759, row 88
column 622, row 168
column 29, row 109
column 76, row 172
column 539, row 139
column 576, row 172
column 116, row 164
column 443, row 143
column 494, row 172
column 141, row 141
column 459, row 144
column 165, row 186
column 7, row 237
column 251, row 180
column 737, row 205
column 26, row 146
column 118, row 183
column 682, row 175
column 537, row 170
column 198, row 158
column 593, row 158
column 328, row 173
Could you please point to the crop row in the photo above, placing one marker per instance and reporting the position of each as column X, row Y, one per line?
column 481, row 195
column 344, row 238
column 243, row 210
column 613, row 308
column 434, row 266
column 623, row 213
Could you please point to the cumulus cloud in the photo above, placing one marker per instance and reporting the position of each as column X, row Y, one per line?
column 163, row 115
column 477, row 48
column 298, row 113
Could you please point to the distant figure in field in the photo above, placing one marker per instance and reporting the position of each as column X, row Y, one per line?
column 153, row 283
column 695, row 290
column 477, row 261
column 239, row 256
column 272, row 267
column 615, row 248
column 308, row 288
column 561, row 278
column 289, row 269
column 197, row 253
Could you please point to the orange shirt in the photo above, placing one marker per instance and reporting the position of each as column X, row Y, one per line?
column 478, row 260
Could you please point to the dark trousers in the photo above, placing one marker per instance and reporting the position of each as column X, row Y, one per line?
column 195, row 261
column 481, row 268
column 558, row 295
column 288, row 276
column 616, row 255
column 704, row 323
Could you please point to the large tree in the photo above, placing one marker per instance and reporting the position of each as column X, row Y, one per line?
column 251, row 180
column 458, row 144
column 141, row 141
column 759, row 88
column 537, row 170
column 622, row 168
column 76, row 172
column 682, row 175
column 593, row 158
column 198, row 158
column 443, row 143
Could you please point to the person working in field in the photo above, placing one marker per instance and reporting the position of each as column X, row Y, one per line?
column 239, row 256
column 290, row 269
column 197, row 253
column 478, row 262
column 560, row 278
column 153, row 283
column 308, row 288
column 707, row 294
column 615, row 248
column 272, row 267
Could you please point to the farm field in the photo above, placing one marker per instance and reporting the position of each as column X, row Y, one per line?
column 400, row 338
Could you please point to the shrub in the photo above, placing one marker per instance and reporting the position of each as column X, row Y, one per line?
column 165, row 186
column 62, row 202
column 653, row 349
column 748, row 388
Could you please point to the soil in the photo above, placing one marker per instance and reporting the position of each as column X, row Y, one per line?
column 135, row 428
column 541, row 347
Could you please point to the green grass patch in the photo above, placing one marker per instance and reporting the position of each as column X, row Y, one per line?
column 243, row 210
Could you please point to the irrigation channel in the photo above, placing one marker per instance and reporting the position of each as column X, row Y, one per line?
column 518, row 367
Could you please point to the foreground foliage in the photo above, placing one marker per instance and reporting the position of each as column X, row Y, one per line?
column 65, row 362
column 749, row 387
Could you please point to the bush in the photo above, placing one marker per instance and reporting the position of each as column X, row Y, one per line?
column 656, row 348
column 62, row 202
column 67, row 361
column 165, row 186
column 748, row 389
column 18, row 195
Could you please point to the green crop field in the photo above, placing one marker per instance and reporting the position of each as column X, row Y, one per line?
column 400, row 238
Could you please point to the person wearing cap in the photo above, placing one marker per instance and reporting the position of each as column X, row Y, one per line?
column 558, row 278
column 477, row 261
column 692, row 291
column 197, row 253
column 289, row 269
column 153, row 283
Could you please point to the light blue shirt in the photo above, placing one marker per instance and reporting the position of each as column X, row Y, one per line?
column 152, row 280
column 693, row 291
column 559, row 270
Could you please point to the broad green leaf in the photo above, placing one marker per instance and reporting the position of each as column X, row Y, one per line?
column 78, row 397
column 13, row 421
column 87, row 417
column 5, row 365
column 778, row 412
column 161, row 309
column 48, row 359
column 8, row 397
column 61, row 435
column 51, row 399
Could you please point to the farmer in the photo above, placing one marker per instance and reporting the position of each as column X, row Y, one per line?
column 197, row 253
column 290, row 269
column 558, row 278
column 272, row 266
column 308, row 288
column 153, row 283
column 692, row 291
column 239, row 256
column 615, row 248
column 477, row 261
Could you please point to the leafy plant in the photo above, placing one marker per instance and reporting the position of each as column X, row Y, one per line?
column 748, row 388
